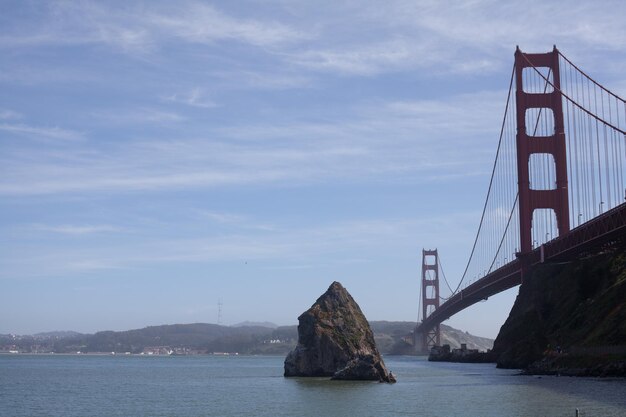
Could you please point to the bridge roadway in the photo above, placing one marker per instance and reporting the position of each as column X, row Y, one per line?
column 604, row 230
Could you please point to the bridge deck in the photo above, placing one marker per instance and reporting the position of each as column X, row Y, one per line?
column 604, row 230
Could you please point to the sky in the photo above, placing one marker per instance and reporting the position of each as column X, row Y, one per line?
column 159, row 159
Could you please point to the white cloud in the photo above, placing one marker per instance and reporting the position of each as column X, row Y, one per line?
column 393, row 55
column 233, row 220
column 42, row 132
column 194, row 98
column 69, row 229
column 142, row 28
column 358, row 59
column 473, row 113
column 313, row 245
column 383, row 141
column 140, row 115
column 221, row 217
column 201, row 23
column 258, row 80
column 466, row 36
column 6, row 114
column 90, row 265
column 364, row 38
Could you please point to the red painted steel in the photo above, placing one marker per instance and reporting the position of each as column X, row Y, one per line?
column 529, row 199
column 430, row 280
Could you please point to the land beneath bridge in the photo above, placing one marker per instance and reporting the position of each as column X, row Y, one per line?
column 568, row 319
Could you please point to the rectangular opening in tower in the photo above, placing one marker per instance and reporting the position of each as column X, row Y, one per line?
column 539, row 121
column 430, row 274
column 542, row 171
column 534, row 83
column 544, row 227
column 430, row 310
column 431, row 292
column 430, row 260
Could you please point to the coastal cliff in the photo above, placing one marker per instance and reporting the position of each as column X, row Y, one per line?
column 335, row 339
column 569, row 318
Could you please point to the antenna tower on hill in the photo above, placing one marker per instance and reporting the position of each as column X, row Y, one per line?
column 219, row 311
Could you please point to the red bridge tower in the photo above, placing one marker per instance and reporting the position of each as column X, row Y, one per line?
column 531, row 199
column 430, row 299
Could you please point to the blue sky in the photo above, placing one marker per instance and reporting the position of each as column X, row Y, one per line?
column 156, row 157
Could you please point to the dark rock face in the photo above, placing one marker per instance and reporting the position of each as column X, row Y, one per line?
column 569, row 318
column 335, row 339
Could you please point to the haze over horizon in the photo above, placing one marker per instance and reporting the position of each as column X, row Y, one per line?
column 158, row 158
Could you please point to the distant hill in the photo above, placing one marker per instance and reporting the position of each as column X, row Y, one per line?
column 395, row 337
column 56, row 334
column 392, row 337
column 267, row 324
column 455, row 337
column 201, row 337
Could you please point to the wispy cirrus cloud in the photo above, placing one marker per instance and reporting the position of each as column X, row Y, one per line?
column 391, row 55
column 264, row 80
column 77, row 230
column 236, row 220
column 359, row 59
column 194, row 98
column 471, row 113
column 376, row 142
column 315, row 245
column 466, row 36
column 202, row 23
column 144, row 27
column 6, row 114
column 42, row 132
column 222, row 217
column 138, row 116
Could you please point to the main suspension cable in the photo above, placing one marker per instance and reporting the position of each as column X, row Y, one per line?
column 495, row 163
column 591, row 79
column 623, row 132
column 445, row 280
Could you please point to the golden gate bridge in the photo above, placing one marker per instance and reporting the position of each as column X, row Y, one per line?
column 557, row 187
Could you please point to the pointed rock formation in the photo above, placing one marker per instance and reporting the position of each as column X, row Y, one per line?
column 335, row 339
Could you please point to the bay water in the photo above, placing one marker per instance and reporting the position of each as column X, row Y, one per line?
column 90, row 385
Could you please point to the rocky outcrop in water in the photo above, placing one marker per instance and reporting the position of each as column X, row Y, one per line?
column 335, row 339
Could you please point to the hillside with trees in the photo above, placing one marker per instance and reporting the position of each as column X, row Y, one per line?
column 201, row 338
